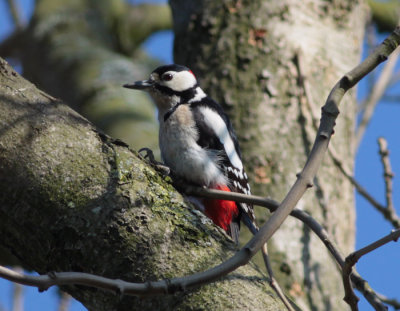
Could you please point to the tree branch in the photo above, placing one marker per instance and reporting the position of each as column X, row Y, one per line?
column 388, row 214
column 272, row 205
column 352, row 259
column 393, row 302
column 360, row 284
column 272, row 281
column 393, row 219
column 18, row 294
column 388, row 176
column 375, row 95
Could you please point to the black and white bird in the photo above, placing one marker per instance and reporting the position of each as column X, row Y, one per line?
column 198, row 143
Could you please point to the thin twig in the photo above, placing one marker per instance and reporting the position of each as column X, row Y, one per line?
column 390, row 301
column 392, row 236
column 387, row 175
column 376, row 94
column 18, row 294
column 352, row 259
column 392, row 218
column 272, row 281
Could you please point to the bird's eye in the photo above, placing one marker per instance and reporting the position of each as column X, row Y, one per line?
column 167, row 77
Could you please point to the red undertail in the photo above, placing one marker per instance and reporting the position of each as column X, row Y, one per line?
column 221, row 211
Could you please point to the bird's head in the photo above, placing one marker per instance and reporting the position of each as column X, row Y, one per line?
column 168, row 85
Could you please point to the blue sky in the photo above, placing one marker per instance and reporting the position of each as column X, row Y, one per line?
column 380, row 268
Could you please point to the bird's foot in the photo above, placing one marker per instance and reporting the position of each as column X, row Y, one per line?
column 160, row 167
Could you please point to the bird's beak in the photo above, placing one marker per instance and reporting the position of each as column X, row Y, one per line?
column 139, row 85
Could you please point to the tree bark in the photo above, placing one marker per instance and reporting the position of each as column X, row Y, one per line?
column 73, row 199
column 271, row 64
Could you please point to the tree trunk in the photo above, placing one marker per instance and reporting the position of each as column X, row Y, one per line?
column 271, row 64
column 74, row 199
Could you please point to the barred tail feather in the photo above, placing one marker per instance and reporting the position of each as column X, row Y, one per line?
column 249, row 223
column 233, row 231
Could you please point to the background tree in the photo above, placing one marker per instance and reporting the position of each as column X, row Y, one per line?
column 271, row 65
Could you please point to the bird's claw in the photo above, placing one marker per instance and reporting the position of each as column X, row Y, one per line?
column 148, row 154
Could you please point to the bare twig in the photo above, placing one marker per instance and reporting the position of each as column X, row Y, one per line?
column 376, row 94
column 350, row 297
column 355, row 256
column 388, row 176
column 18, row 294
column 352, row 259
column 272, row 281
column 390, row 301
column 393, row 218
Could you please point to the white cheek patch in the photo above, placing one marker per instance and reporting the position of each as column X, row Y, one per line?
column 218, row 125
column 181, row 81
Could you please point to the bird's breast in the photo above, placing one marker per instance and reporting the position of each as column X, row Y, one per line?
column 178, row 134
column 180, row 151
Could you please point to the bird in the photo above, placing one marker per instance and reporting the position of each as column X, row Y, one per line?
column 199, row 145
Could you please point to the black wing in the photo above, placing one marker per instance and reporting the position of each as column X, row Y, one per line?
column 238, row 181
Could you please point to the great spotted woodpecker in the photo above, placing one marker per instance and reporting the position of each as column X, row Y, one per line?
column 198, row 143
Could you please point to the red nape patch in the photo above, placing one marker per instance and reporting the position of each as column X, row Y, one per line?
column 221, row 211
column 192, row 73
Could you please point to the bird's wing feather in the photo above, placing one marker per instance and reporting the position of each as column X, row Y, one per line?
column 216, row 133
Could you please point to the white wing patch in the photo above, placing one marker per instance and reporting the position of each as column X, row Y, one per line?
column 215, row 122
